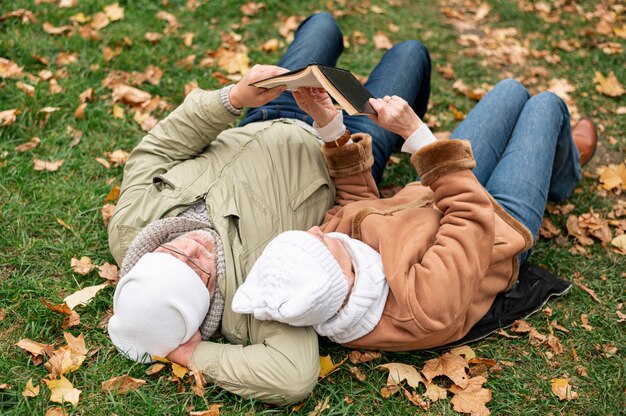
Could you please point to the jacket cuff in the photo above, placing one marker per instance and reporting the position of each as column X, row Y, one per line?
column 442, row 158
column 206, row 358
column 351, row 158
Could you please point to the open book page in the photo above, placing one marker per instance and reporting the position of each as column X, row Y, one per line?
column 293, row 81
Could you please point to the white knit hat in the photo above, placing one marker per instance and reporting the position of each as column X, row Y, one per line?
column 291, row 282
column 295, row 280
column 158, row 305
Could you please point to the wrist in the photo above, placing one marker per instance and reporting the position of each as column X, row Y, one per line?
column 325, row 118
column 412, row 129
column 234, row 98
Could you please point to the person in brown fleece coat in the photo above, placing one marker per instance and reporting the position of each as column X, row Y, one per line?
column 440, row 250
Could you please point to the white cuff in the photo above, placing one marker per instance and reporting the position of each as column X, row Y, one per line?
column 333, row 130
column 418, row 139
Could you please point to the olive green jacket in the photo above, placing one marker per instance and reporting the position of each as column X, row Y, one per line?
column 257, row 181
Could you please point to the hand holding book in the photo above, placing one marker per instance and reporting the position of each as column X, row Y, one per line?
column 396, row 115
column 317, row 103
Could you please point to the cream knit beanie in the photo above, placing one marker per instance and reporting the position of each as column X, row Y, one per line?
column 158, row 305
column 296, row 280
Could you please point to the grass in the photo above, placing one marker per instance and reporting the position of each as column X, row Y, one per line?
column 35, row 251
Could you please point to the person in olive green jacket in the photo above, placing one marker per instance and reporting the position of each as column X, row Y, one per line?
column 201, row 199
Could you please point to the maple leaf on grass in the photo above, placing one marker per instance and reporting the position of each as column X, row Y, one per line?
column 562, row 389
column 464, row 350
column 399, row 372
column 449, row 365
column 327, row 366
column 61, row 391
column 72, row 318
column 472, row 398
column 214, row 410
column 122, row 384
column 381, row 41
column 43, row 165
column 363, row 357
column 109, row 272
column 56, row 411
column 8, row 117
column 30, row 390
column 36, row 349
column 83, row 266
column 33, row 143
column 609, row 85
column 83, row 296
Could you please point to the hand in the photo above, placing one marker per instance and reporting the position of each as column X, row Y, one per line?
column 316, row 103
column 395, row 115
column 182, row 354
column 243, row 95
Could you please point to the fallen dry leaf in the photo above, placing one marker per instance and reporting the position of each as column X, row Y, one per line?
column 56, row 411
column 357, row 357
column 33, row 143
column 118, row 112
column 321, row 406
column 27, row 88
column 288, row 26
column 130, row 95
column 214, row 410
column 83, row 266
column 610, row 85
column 612, row 176
column 188, row 39
column 79, row 114
column 25, row 16
column 548, row 229
column 179, row 370
column 44, row 165
column 107, row 211
column 103, row 162
column 415, row 399
column 9, row 69
column 118, row 157
column 53, row 30
column 381, row 41
column 327, row 366
column 62, row 391
column 83, row 296
column 399, row 372
column 122, row 384
column 114, row 12
column 8, row 116
column 434, row 392
column 589, row 291
column 35, row 349
column 233, row 62
column 271, row 45
column 562, row 389
column 449, row 365
column 198, row 382
column 72, row 318
column 464, row 350
column 473, row 398
column 155, row 368
column 358, row 374
column 30, row 390
column 619, row 243
column 172, row 22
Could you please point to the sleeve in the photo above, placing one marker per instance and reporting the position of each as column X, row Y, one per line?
column 182, row 135
column 453, row 266
column 280, row 366
column 350, row 167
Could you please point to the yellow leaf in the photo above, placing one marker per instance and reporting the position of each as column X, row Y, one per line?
column 83, row 296
column 122, row 384
column 620, row 243
column 179, row 370
column 35, row 348
column 30, row 390
column 114, row 12
column 155, row 368
column 61, row 391
column 465, row 351
column 610, row 85
column 118, row 112
column 326, row 365
column 562, row 389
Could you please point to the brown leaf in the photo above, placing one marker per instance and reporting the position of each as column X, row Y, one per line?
column 103, row 162
column 118, row 157
column 415, row 399
column 473, row 398
column 214, row 410
column 8, row 116
column 35, row 349
column 9, row 69
column 145, row 120
column 187, row 62
column 82, row 266
column 107, row 211
column 130, row 95
column 357, row 357
column 152, row 37
column 271, row 45
column 562, row 389
column 321, row 406
column 252, row 8
column 434, row 392
column 188, row 39
column 49, row 28
column 464, row 350
column 54, row 87
column 79, row 114
column 198, row 382
column 62, row 391
column 449, row 365
column 56, row 411
column 171, row 20
column 358, row 374
column 619, row 243
column 72, row 318
column 548, row 229
column 473, row 93
column 25, row 16
column 155, row 368
column 288, row 26
column 114, row 12
column 559, row 327
column 381, row 41
column 39, row 164
column 65, row 58
column 33, row 143
column 612, row 176
column 520, row 327
column 122, row 384
column 233, row 62
column 610, row 85
column 589, row 291
column 113, row 196
column 399, row 372
column 27, row 88
column 99, row 21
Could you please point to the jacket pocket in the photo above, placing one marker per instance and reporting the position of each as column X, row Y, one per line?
column 314, row 193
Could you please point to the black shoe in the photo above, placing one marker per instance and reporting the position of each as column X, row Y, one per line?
column 534, row 287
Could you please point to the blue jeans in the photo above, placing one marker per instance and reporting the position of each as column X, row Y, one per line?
column 404, row 71
column 524, row 150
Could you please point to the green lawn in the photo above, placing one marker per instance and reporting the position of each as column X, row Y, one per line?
column 553, row 40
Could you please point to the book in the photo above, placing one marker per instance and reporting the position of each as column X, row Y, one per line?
column 340, row 84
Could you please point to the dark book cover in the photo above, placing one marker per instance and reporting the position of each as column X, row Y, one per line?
column 350, row 87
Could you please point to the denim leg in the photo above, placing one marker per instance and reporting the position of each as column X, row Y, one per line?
column 528, row 170
column 490, row 124
column 403, row 71
column 318, row 39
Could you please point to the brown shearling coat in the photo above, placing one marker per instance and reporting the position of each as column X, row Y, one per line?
column 447, row 247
